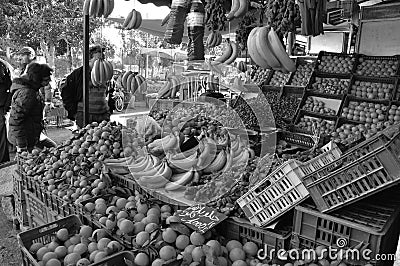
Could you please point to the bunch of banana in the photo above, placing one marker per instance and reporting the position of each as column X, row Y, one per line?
column 143, row 164
column 170, row 88
column 217, row 164
column 180, row 181
column 98, row 8
column 238, row 9
column 156, row 177
column 214, row 39
column 132, row 82
column 266, row 50
column 208, row 152
column 229, row 55
column 101, row 72
column 133, row 20
column 120, row 165
column 167, row 143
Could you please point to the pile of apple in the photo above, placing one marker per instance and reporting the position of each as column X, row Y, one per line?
column 279, row 78
column 336, row 64
column 377, row 67
column 349, row 133
column 372, row 90
column 317, row 106
column 394, row 114
column 368, row 113
column 302, row 75
column 316, row 125
column 82, row 247
column 330, row 85
column 257, row 74
column 73, row 171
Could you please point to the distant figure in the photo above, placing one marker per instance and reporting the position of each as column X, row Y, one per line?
column 27, row 104
column 25, row 56
column 5, row 102
column 72, row 93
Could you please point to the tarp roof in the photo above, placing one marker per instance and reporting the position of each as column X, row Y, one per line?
column 153, row 26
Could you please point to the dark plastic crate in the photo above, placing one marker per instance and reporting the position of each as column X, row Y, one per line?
column 311, row 115
column 384, row 73
column 350, row 179
column 391, row 81
column 302, row 61
column 334, row 101
column 122, row 181
column 373, row 222
column 298, row 139
column 37, row 210
column 389, row 120
column 286, row 77
column 241, row 230
column 341, row 78
column 323, row 53
column 45, row 234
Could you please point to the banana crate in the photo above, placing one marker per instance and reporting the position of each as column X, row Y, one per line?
column 353, row 177
column 275, row 195
column 371, row 223
column 269, row 239
column 46, row 233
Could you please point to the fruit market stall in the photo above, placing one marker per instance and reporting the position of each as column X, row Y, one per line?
column 296, row 156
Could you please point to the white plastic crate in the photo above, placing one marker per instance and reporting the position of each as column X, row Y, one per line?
column 276, row 194
column 331, row 153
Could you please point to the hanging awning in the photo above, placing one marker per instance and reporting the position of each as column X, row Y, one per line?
column 171, row 54
column 153, row 27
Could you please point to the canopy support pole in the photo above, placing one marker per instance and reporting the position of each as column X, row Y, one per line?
column 86, row 70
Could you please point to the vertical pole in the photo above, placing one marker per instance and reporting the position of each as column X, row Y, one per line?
column 86, row 70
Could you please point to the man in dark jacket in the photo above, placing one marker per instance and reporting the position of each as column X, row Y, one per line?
column 72, row 93
column 26, row 115
column 5, row 84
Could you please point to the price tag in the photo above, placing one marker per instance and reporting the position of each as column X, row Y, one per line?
column 201, row 218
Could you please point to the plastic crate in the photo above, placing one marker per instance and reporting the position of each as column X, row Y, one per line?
column 275, row 74
column 45, row 234
column 355, row 100
column 345, row 184
column 298, row 139
column 320, row 61
column 331, row 153
column 122, row 181
column 240, row 230
column 59, row 206
column 373, row 222
column 313, row 116
column 276, row 194
column 381, row 58
column 116, row 259
column 302, row 61
column 37, row 210
column 389, row 81
column 344, row 81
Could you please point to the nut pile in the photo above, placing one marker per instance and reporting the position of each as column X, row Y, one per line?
column 377, row 67
column 279, row 78
column 317, row 106
column 336, row 64
column 372, row 90
column 331, row 85
column 316, row 125
column 302, row 75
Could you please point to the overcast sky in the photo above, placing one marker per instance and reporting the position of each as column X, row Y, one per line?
column 148, row 11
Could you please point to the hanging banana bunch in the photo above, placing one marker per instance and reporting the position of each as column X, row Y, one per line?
column 133, row 20
column 102, row 72
column 98, row 8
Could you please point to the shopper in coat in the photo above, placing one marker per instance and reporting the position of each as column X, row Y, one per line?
column 72, row 94
column 5, row 84
column 25, row 56
column 27, row 103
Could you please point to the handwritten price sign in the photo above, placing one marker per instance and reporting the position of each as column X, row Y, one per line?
column 201, row 218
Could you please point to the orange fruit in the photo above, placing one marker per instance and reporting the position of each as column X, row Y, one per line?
column 61, row 251
column 99, row 256
column 72, row 259
column 53, row 262
column 250, row 248
column 41, row 252
column 52, row 246
column 182, row 241
column 167, row 253
column 142, row 208
column 189, row 249
column 166, row 208
column 83, row 262
column 76, row 239
column 62, row 234
column 222, row 261
column 35, row 247
column 152, row 218
column 239, row 263
column 169, row 236
column 138, row 227
column 126, row 226
column 216, row 246
column 102, row 243
column 139, row 217
column 197, row 254
column 48, row 256
column 142, row 259
column 154, row 211
column 93, row 255
column 237, row 254
column 80, row 249
column 142, row 238
column 85, row 231
column 120, row 203
column 197, row 239
column 122, row 214
column 233, row 244
column 158, row 262
column 151, row 227
column 101, row 208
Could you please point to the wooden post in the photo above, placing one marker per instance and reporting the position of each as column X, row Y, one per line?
column 86, row 70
